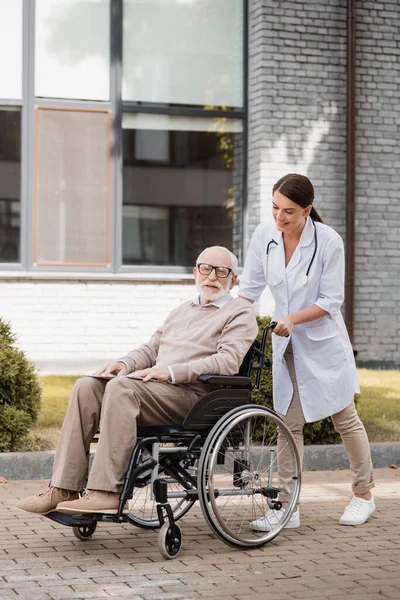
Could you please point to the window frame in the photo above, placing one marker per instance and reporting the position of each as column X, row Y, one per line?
column 29, row 104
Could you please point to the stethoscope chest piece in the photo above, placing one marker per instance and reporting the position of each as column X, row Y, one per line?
column 304, row 279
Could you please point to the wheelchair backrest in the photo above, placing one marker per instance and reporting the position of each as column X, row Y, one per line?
column 247, row 365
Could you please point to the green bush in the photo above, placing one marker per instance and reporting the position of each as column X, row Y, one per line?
column 20, row 392
column 319, row 432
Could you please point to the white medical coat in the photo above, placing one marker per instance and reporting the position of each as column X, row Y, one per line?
column 323, row 356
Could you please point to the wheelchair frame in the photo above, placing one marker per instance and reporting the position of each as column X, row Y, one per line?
column 172, row 467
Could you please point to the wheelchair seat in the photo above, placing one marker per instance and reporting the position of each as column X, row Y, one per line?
column 204, row 414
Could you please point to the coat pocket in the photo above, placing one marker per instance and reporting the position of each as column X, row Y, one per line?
column 321, row 332
column 325, row 349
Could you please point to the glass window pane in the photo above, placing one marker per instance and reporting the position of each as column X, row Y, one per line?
column 72, row 188
column 183, row 51
column 72, row 49
column 11, row 49
column 10, row 184
column 182, row 187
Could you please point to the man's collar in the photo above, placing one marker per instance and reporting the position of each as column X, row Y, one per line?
column 219, row 302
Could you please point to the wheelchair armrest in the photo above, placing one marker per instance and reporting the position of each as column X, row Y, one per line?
column 235, row 380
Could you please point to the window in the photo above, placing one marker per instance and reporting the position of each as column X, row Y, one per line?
column 183, row 52
column 11, row 49
column 174, row 70
column 72, row 211
column 10, row 184
column 72, row 49
column 179, row 189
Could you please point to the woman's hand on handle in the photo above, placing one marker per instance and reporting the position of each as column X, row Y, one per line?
column 284, row 326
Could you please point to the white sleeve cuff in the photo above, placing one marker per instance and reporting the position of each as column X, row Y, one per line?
column 329, row 306
column 172, row 375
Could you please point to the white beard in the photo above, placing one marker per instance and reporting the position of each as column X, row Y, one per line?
column 208, row 295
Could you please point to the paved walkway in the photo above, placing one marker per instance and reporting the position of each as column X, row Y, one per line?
column 322, row 560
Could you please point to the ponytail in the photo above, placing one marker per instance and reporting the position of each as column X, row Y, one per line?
column 315, row 216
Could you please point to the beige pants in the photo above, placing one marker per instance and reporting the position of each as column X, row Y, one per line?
column 346, row 422
column 120, row 405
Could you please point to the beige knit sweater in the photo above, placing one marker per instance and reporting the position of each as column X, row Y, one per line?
column 195, row 340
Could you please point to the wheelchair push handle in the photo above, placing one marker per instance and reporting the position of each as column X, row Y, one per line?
column 261, row 353
column 268, row 328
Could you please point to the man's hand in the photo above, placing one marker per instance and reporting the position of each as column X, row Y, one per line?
column 159, row 373
column 115, row 368
column 284, row 326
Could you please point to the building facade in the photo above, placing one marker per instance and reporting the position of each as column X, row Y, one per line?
column 133, row 133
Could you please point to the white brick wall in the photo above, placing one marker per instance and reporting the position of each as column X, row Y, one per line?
column 75, row 326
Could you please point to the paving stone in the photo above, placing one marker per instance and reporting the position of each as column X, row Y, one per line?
column 42, row 560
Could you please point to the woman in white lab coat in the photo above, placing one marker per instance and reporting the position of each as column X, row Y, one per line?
column 314, row 374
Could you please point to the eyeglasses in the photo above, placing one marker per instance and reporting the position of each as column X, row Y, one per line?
column 221, row 272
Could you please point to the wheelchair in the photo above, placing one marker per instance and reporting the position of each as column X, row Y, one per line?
column 224, row 456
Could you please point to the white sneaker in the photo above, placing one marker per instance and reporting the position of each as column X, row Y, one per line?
column 273, row 518
column 358, row 511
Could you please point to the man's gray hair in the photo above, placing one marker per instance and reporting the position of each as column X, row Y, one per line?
column 234, row 260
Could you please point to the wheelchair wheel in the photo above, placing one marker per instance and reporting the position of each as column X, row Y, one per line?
column 169, row 545
column 84, row 532
column 143, row 508
column 238, row 481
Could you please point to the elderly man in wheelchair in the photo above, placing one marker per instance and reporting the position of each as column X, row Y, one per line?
column 177, row 426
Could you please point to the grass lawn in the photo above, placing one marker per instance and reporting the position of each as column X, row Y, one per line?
column 379, row 404
column 378, row 407
column 55, row 395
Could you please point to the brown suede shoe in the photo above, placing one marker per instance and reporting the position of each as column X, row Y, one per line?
column 93, row 501
column 46, row 501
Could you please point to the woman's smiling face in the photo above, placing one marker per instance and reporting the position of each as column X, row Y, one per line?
column 289, row 217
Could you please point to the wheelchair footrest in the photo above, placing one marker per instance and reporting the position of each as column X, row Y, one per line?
column 83, row 520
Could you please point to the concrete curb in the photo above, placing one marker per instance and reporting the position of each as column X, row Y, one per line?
column 38, row 465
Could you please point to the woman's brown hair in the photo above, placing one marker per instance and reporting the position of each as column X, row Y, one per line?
column 299, row 189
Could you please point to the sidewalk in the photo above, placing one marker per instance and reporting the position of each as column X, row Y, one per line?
column 322, row 560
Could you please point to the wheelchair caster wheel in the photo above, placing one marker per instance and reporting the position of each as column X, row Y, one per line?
column 169, row 545
column 84, row 532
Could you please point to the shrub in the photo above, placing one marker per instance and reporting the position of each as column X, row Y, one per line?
column 319, row 432
column 19, row 392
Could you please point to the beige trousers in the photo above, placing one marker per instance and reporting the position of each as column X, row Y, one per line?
column 346, row 422
column 119, row 405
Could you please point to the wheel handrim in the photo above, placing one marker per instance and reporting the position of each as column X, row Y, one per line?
column 230, row 515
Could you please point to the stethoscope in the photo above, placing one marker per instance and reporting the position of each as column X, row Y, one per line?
column 304, row 279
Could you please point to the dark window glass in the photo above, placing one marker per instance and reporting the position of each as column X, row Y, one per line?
column 10, row 184
column 181, row 193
